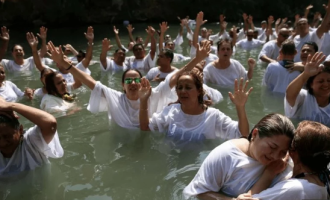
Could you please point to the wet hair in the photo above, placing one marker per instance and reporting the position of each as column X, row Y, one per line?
column 274, row 124
column 137, row 38
column 312, row 143
column 50, row 85
column 313, row 44
column 288, row 47
column 44, row 71
column 9, row 121
column 168, row 41
column 138, row 44
column 310, row 80
column 82, row 53
column 120, row 49
column 12, row 49
column 226, row 40
column 168, row 53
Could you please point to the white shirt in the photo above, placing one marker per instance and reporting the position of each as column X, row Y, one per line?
column 69, row 77
column 55, row 105
column 306, row 108
column 181, row 127
column 214, row 94
column 11, row 66
column 277, row 77
column 229, row 170
column 112, row 66
column 325, row 44
column 212, row 57
column 299, row 42
column 145, row 64
column 177, row 58
column 293, row 189
column 270, row 49
column 248, row 45
column 224, row 77
column 153, row 72
column 10, row 92
column 32, row 152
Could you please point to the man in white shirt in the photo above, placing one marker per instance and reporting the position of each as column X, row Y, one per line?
column 115, row 64
column 249, row 43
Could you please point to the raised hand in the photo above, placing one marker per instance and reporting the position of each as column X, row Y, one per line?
column 297, row 17
column 309, row 7
column 4, row 33
column 43, row 33
column 163, row 27
column 151, row 31
column 116, row 31
column 251, row 63
column 222, row 18
column 241, row 94
column 250, row 20
column 56, row 54
column 277, row 166
column 270, row 19
column 278, row 21
column 90, row 34
column 245, row 17
column 313, row 66
column 106, row 44
column 33, row 41
column 130, row 28
column 145, row 89
column 284, row 20
column 200, row 19
column 203, row 51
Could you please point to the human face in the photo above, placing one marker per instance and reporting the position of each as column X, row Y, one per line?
column 303, row 26
column 263, row 25
column 268, row 149
column 167, row 37
column 250, row 35
column 139, row 40
column 2, row 75
column 139, row 52
column 60, row 84
column 305, row 50
column 283, row 35
column 187, row 91
column 43, row 78
column 162, row 59
column 131, row 89
column 18, row 52
column 80, row 57
column 9, row 140
column 204, row 33
column 119, row 57
column 225, row 51
column 67, row 52
column 321, row 85
column 170, row 45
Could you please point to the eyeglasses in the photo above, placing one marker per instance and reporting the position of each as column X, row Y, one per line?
column 130, row 80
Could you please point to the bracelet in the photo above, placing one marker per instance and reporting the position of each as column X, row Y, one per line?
column 90, row 44
column 69, row 67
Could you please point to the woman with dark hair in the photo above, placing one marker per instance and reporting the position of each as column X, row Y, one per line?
column 313, row 103
column 236, row 165
column 40, row 92
column 25, row 150
column 310, row 152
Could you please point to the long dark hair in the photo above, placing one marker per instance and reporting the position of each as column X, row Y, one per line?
column 310, row 80
column 125, row 72
column 50, row 85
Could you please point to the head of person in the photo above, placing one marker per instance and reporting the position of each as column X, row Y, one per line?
column 308, row 48
column 270, row 138
column 189, row 88
column 11, row 133
column 2, row 74
column 81, row 55
column 283, row 35
column 204, row 32
column 169, row 44
column 225, row 49
column 67, row 51
column 139, row 40
column 130, row 46
column 43, row 75
column 249, row 34
column 17, row 52
column 119, row 55
column 319, row 85
column 288, row 50
column 56, row 84
column 138, row 51
column 302, row 26
column 310, row 149
column 167, row 38
column 263, row 24
column 131, row 83
column 255, row 34
column 165, row 57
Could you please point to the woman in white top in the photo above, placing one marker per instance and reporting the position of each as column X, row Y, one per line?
column 310, row 152
column 19, row 150
column 236, row 165
column 9, row 91
column 311, row 104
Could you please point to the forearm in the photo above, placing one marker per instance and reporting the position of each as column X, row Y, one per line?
column 161, row 40
column 73, row 50
column 89, row 54
column 118, row 41
column 153, row 47
column 264, row 58
column 306, row 13
column 80, row 76
column 130, row 35
column 143, row 115
column 103, row 58
column 43, row 49
column 292, row 91
column 250, row 73
column 213, row 196
column 243, row 122
column 262, row 184
column 3, row 48
column 195, row 37
column 36, row 59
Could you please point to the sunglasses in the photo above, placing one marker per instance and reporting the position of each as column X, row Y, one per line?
column 130, row 80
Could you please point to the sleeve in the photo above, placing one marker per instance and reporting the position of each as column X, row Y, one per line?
column 150, row 62
column 215, row 95
column 239, row 44
column 150, row 74
column 5, row 63
column 265, row 51
column 316, row 39
column 212, row 174
column 292, row 111
column 265, row 79
column 226, row 128
column 123, row 47
column 108, row 67
column 31, row 63
column 159, row 121
column 18, row 92
column 35, row 138
column 178, row 40
column 83, row 68
column 206, row 76
column 240, row 35
column 50, row 105
column 214, row 37
column 242, row 71
column 327, row 58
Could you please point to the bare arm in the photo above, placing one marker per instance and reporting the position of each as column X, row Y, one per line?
column 151, row 32
column 163, row 28
column 116, row 31
column 5, row 40
column 73, row 50
column 89, row 52
column 33, row 42
column 307, row 11
column 250, row 20
column 251, row 64
column 103, row 55
column 323, row 27
column 144, row 94
column 130, row 30
column 43, row 37
column 199, row 22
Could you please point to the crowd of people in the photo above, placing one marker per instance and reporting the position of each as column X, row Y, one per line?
column 273, row 160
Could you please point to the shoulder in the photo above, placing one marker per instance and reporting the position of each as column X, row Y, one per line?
column 210, row 65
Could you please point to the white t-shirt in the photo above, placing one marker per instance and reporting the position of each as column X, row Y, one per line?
column 306, row 108
column 212, row 57
column 10, row 92
column 248, row 45
column 325, row 44
column 299, row 42
column 112, row 66
column 39, row 93
column 181, row 127
column 177, row 58
column 55, row 105
column 83, row 68
column 229, row 170
column 32, row 152
column 270, row 49
column 145, row 64
column 11, row 66
column 47, row 61
column 277, row 77
column 293, row 189
column 123, row 111
column 224, row 77
column 153, row 72
column 214, row 94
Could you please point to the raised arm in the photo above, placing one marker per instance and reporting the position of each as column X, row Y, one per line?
column 199, row 22
column 324, row 25
column 105, row 48
column 146, row 41
column 251, row 64
column 277, row 23
column 116, row 31
column 311, row 69
column 163, row 28
column 5, row 40
column 33, row 42
column 234, row 39
column 246, row 23
column 130, row 34
column 43, row 36
column 307, row 11
column 89, row 52
column 144, row 94
column 57, row 56
column 250, row 21
column 151, row 33
column 45, row 121
column 73, row 50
